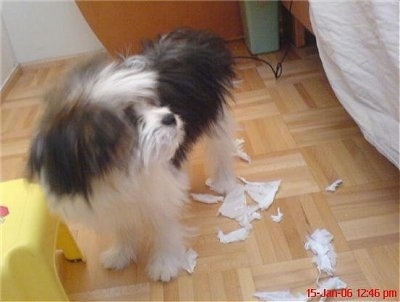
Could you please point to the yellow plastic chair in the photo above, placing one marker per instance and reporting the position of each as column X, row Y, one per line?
column 30, row 236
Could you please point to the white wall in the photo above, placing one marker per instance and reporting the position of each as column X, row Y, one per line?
column 8, row 59
column 45, row 30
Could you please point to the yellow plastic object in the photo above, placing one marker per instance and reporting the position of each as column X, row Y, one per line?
column 29, row 237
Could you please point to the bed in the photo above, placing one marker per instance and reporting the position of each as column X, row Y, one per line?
column 358, row 43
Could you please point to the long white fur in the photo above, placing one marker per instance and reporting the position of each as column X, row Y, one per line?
column 156, row 140
column 129, row 81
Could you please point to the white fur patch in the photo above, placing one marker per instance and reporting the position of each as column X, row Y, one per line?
column 123, row 82
column 158, row 142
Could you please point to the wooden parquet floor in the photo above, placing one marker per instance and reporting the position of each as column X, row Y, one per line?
column 295, row 130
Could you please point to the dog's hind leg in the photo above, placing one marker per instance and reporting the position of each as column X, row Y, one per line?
column 220, row 149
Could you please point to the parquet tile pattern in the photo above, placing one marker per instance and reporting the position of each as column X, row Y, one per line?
column 295, row 130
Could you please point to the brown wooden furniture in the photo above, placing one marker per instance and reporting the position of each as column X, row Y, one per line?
column 122, row 25
column 301, row 20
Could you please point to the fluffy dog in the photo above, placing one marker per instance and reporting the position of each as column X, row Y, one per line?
column 114, row 136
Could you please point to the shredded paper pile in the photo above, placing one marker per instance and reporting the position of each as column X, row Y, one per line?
column 320, row 243
column 235, row 206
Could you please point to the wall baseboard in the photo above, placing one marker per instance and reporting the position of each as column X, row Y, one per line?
column 10, row 81
column 19, row 69
column 59, row 60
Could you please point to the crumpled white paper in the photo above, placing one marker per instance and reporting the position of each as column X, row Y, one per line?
column 325, row 258
column 190, row 261
column 262, row 192
column 320, row 244
column 247, row 218
column 234, row 236
column 207, row 198
column 278, row 217
column 279, row 296
column 235, row 205
column 333, row 186
column 239, row 150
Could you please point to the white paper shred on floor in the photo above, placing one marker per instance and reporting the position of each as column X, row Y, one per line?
column 234, row 236
column 333, row 186
column 207, row 198
column 324, row 254
column 262, row 192
column 235, row 205
column 278, row 217
column 279, row 296
column 247, row 218
column 325, row 258
column 190, row 261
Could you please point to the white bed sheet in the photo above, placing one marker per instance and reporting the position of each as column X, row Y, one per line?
column 358, row 42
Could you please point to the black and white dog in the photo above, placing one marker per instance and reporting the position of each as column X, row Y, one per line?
column 114, row 136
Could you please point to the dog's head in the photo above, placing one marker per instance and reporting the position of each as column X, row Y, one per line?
column 102, row 117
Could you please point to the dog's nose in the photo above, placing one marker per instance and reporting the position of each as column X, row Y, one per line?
column 169, row 120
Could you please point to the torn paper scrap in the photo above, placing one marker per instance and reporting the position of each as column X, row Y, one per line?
column 278, row 216
column 235, row 207
column 206, row 198
column 247, row 218
column 279, row 296
column 328, row 285
column 239, row 150
column 320, row 244
column 234, row 204
column 261, row 192
column 190, row 261
column 234, row 236
column 333, row 186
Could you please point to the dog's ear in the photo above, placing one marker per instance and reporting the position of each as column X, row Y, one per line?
column 130, row 115
column 35, row 158
column 78, row 145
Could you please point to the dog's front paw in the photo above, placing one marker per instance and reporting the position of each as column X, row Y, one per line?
column 116, row 258
column 164, row 268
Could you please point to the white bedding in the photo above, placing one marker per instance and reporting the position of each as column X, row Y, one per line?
column 358, row 42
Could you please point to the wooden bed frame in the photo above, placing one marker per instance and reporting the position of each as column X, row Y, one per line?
column 301, row 20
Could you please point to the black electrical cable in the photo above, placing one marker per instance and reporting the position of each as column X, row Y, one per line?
column 277, row 71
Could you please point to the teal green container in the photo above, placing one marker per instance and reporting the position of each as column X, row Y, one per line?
column 260, row 25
